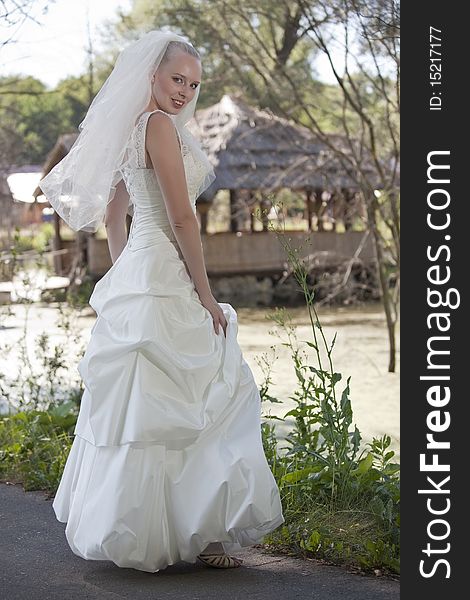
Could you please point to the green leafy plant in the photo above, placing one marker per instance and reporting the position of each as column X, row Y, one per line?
column 34, row 445
column 341, row 498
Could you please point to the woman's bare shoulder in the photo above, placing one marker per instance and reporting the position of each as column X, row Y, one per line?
column 161, row 120
column 161, row 129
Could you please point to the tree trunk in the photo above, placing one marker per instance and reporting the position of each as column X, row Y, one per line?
column 384, row 288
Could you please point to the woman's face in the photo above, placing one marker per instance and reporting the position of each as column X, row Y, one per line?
column 177, row 79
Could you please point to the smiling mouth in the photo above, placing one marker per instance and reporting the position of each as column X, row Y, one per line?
column 178, row 103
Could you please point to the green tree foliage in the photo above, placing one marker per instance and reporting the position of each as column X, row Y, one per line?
column 242, row 44
column 31, row 119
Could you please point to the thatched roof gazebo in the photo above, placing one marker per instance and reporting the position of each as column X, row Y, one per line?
column 254, row 150
column 255, row 154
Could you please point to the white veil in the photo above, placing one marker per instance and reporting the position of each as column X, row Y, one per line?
column 80, row 186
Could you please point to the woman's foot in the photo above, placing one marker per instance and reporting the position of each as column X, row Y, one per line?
column 214, row 556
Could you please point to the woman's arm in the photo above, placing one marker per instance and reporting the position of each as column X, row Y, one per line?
column 165, row 154
column 163, row 148
column 115, row 221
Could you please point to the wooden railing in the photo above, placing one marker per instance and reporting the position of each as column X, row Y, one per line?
column 255, row 253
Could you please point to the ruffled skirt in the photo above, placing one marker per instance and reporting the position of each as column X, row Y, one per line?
column 167, row 455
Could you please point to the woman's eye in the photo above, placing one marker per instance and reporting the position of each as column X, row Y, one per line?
column 179, row 79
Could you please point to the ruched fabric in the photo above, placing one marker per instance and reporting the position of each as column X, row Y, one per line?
column 167, row 455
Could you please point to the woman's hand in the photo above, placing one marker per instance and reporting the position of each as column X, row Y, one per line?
column 218, row 317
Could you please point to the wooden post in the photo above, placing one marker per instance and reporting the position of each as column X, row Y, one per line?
column 309, row 202
column 233, row 211
column 238, row 208
column 265, row 205
column 319, row 208
column 252, row 202
column 348, row 208
column 334, row 208
column 57, row 245
column 82, row 249
column 203, row 211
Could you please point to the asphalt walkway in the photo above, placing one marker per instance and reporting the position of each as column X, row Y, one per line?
column 36, row 563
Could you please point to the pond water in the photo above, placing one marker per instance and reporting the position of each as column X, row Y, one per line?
column 360, row 352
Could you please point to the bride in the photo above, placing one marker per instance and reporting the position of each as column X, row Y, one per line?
column 167, row 462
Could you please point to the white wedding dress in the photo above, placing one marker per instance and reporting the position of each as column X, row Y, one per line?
column 167, row 455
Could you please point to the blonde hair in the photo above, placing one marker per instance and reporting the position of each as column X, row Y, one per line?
column 174, row 46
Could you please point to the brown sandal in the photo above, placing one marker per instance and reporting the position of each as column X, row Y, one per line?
column 220, row 561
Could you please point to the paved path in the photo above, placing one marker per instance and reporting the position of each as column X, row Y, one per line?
column 36, row 563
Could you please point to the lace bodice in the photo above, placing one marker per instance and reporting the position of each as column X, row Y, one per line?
column 150, row 219
column 139, row 138
column 194, row 169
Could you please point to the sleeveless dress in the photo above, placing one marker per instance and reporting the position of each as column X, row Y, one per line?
column 167, row 455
